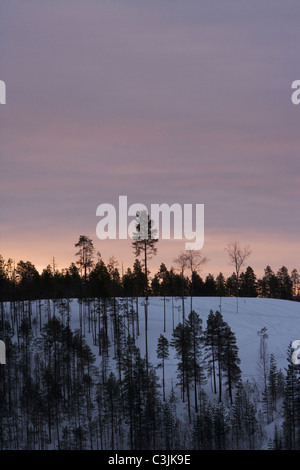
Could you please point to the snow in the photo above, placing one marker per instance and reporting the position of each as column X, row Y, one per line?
column 280, row 317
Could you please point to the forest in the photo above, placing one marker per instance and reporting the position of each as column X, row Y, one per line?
column 22, row 281
column 84, row 384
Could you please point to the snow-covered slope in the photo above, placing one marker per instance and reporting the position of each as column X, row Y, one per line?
column 281, row 318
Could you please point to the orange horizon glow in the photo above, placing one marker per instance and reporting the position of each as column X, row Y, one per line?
column 262, row 253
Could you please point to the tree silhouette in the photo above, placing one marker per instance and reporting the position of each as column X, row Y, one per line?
column 237, row 257
column 145, row 244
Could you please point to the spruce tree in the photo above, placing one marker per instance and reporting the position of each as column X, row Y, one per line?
column 203, row 432
column 285, row 284
column 295, row 278
column 220, row 426
column 168, row 425
column 277, row 440
column 243, row 420
column 273, row 382
column 268, row 285
column 248, row 284
column 291, row 404
column 220, row 285
column 112, row 403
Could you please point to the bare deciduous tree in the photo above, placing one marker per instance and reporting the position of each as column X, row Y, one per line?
column 193, row 260
column 237, row 257
column 181, row 262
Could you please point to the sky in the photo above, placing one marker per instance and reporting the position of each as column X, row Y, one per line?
column 164, row 101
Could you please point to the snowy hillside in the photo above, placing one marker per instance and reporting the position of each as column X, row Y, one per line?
column 281, row 318
column 94, row 407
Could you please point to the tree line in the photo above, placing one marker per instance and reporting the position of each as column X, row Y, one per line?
column 22, row 281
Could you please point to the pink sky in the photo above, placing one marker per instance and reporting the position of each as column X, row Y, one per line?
column 169, row 101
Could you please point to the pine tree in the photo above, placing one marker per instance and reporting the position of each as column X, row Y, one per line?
column 215, row 344
column 220, row 326
column 211, row 348
column 230, row 360
column 295, row 278
column 85, row 254
column 145, row 244
column 194, row 324
column 162, row 352
column 181, row 341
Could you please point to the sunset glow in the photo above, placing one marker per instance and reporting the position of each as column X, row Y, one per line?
column 162, row 101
